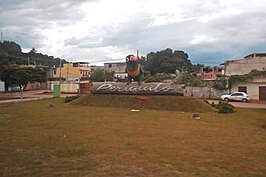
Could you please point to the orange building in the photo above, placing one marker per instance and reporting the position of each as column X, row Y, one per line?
column 210, row 73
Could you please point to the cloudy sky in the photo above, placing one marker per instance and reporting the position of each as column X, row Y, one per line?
column 99, row 31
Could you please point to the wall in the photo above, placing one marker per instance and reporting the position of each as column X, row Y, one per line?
column 244, row 66
column 36, row 86
column 85, row 88
column 66, row 86
column 115, row 67
column 2, row 86
column 204, row 92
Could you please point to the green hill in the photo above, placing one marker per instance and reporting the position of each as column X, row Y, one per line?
column 11, row 53
column 167, row 103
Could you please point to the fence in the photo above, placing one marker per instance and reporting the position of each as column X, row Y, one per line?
column 204, row 92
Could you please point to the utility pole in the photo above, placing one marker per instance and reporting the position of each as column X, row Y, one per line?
column 2, row 37
column 60, row 71
column 67, row 74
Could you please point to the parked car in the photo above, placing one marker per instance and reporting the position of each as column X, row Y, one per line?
column 236, row 96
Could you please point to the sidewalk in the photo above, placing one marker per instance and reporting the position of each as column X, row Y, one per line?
column 19, row 100
column 242, row 105
column 30, row 96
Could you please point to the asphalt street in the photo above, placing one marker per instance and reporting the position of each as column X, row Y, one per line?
column 42, row 94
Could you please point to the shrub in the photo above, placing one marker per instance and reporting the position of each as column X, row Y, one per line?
column 224, row 107
column 70, row 98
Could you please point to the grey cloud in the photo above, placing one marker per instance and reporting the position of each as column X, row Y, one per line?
column 27, row 18
column 233, row 35
column 125, row 34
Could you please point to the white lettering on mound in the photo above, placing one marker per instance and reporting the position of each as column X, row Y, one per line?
column 151, row 88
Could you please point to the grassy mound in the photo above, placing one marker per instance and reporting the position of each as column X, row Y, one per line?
column 167, row 103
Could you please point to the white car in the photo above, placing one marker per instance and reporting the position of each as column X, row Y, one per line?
column 236, row 96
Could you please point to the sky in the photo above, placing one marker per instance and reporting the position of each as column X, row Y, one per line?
column 99, row 31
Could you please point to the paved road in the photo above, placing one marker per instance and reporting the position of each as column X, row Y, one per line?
column 29, row 96
column 243, row 105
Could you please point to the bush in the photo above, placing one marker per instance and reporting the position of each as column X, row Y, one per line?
column 70, row 98
column 225, row 108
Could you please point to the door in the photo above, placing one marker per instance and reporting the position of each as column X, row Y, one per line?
column 236, row 96
column 262, row 93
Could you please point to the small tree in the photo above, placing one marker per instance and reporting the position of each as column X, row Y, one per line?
column 23, row 75
column 195, row 82
column 220, row 84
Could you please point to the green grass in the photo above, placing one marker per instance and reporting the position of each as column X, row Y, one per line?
column 71, row 140
column 164, row 103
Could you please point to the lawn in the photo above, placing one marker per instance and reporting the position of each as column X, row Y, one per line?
column 52, row 138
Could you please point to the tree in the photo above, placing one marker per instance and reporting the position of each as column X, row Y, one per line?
column 195, row 82
column 159, row 77
column 21, row 76
column 220, row 83
column 33, row 50
column 11, row 52
column 100, row 75
column 167, row 61
column 10, row 47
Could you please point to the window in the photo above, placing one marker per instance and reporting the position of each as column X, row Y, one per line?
column 237, row 94
column 110, row 65
column 54, row 72
column 242, row 89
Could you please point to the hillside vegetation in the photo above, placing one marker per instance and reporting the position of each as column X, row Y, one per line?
column 11, row 53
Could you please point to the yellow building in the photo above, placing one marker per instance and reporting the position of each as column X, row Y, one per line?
column 73, row 71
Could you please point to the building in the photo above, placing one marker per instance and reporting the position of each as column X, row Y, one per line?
column 256, row 87
column 118, row 68
column 210, row 73
column 245, row 65
column 70, row 76
column 73, row 71
column 94, row 68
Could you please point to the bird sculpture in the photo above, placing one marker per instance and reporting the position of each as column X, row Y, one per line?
column 134, row 70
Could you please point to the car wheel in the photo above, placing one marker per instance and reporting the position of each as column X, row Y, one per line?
column 244, row 100
column 226, row 99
